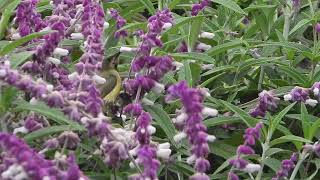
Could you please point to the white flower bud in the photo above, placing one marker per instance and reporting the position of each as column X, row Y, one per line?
column 207, row 66
column 191, row 159
column 207, row 35
column 20, row 130
column 211, row 138
column 60, row 52
column 165, row 145
column 143, row 130
column 151, row 129
column 15, row 36
column 54, row 60
column 287, row 97
column 311, row 102
column 164, row 153
column 316, row 91
column 209, row 111
column 178, row 137
column 98, row 79
column 45, row 29
column 33, row 101
column 177, row 64
column 181, row 118
column 106, row 25
column 250, row 168
column 158, row 88
column 127, row 49
column 73, row 76
column 203, row 46
column 77, row 36
column 3, row 73
column 50, row 87
column 7, row 63
column 166, row 26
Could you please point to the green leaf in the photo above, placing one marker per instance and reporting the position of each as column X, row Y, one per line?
column 273, row 163
column 45, row 132
column 220, row 121
column 185, row 73
column 179, row 22
column 231, row 5
column 300, row 24
column 148, row 4
column 7, row 95
column 219, row 69
column 313, row 129
column 290, row 45
column 272, row 151
column 248, row 120
column 51, row 113
column 194, row 31
column 10, row 47
column 304, row 120
column 276, row 121
column 17, row 59
column 164, row 121
column 224, row 47
column 295, row 75
column 193, row 56
column 290, row 138
column 5, row 17
column 174, row 3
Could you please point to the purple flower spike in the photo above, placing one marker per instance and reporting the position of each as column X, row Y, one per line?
column 120, row 22
column 191, row 118
column 286, row 166
column 266, row 101
column 300, row 94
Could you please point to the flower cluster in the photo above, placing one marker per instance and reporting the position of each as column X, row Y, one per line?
column 239, row 163
column 286, row 166
column 267, row 101
column 151, row 69
column 313, row 148
column 28, row 19
column 190, row 119
column 18, row 161
column 196, row 8
column 300, row 94
column 120, row 22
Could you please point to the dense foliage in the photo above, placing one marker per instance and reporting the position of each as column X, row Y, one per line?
column 166, row 89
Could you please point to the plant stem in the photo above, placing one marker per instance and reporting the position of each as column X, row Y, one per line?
column 307, row 167
column 265, row 148
column 261, row 78
column 286, row 26
column 303, row 156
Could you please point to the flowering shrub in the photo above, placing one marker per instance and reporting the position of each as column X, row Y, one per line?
column 147, row 90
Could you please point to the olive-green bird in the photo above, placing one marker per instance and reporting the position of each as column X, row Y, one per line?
column 111, row 89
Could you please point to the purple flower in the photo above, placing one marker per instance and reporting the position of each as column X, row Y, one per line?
column 250, row 136
column 286, row 166
column 300, row 94
column 120, row 22
column 69, row 139
column 19, row 161
column 266, row 101
column 317, row 27
column 183, row 47
column 232, row 176
column 194, row 130
column 196, row 8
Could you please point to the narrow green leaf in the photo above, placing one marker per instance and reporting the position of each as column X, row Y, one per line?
column 179, row 22
column 276, row 121
column 10, row 47
column 300, row 24
column 231, row 5
column 164, row 121
column 314, row 128
column 173, row 4
column 5, row 16
column 148, row 4
column 45, row 132
column 290, row 138
column 219, row 69
column 295, row 75
column 194, row 31
column 220, row 121
column 273, row 163
column 17, row 59
column 224, row 47
column 248, row 120
column 193, row 56
column 305, row 122
column 51, row 113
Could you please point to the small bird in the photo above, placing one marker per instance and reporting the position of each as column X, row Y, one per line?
column 110, row 90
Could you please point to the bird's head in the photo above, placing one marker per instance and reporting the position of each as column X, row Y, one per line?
column 111, row 62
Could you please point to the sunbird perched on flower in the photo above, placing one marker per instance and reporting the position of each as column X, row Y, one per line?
column 111, row 88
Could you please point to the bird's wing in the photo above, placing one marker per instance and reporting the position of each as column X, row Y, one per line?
column 106, row 88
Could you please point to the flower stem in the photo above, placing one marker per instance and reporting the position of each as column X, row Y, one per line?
column 265, row 148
